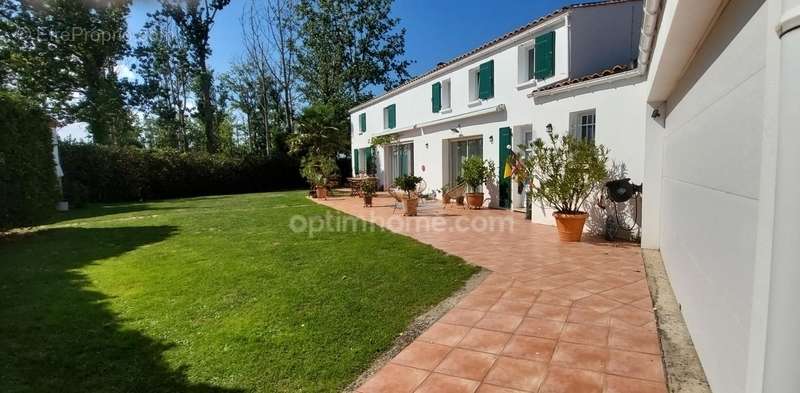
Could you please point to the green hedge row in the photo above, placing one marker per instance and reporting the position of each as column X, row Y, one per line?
column 28, row 188
column 94, row 173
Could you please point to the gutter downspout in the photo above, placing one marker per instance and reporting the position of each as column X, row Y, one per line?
column 647, row 39
column 783, row 321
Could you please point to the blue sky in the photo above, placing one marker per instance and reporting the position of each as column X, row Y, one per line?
column 436, row 30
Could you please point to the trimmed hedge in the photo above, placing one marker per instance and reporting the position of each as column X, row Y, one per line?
column 95, row 173
column 28, row 185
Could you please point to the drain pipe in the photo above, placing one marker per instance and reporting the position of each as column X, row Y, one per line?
column 783, row 321
column 647, row 38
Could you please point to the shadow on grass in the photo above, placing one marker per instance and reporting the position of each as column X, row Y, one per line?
column 100, row 210
column 58, row 336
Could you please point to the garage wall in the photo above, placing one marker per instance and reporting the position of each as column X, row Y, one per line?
column 710, row 184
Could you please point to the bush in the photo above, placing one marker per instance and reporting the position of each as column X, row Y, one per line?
column 28, row 185
column 122, row 174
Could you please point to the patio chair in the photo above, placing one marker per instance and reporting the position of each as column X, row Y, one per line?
column 420, row 191
column 398, row 198
column 453, row 193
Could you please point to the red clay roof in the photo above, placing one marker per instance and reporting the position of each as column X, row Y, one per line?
column 608, row 71
column 500, row 39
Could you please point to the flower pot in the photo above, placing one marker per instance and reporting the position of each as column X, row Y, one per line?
column 570, row 226
column 460, row 201
column 322, row 192
column 368, row 201
column 410, row 206
column 474, row 200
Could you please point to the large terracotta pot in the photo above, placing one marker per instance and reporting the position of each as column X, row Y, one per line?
column 570, row 226
column 322, row 192
column 410, row 206
column 474, row 200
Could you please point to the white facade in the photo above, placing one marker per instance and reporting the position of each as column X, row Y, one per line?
column 708, row 121
column 586, row 38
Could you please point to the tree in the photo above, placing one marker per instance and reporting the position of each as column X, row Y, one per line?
column 253, row 95
column 320, row 132
column 63, row 54
column 194, row 19
column 166, row 88
column 348, row 46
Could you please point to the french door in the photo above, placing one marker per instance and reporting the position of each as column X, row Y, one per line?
column 459, row 152
column 402, row 160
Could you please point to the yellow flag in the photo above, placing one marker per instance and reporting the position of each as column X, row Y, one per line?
column 507, row 169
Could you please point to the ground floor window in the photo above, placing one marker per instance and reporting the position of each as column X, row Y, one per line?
column 459, row 151
column 583, row 125
column 402, row 160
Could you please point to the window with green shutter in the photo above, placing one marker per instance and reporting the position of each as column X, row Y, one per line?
column 355, row 162
column 486, row 80
column 436, row 97
column 545, row 48
column 391, row 116
column 362, row 123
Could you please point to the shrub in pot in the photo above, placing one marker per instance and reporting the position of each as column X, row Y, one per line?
column 408, row 183
column 563, row 173
column 368, row 189
column 476, row 172
column 317, row 170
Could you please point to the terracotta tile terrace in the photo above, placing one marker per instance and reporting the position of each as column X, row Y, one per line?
column 551, row 317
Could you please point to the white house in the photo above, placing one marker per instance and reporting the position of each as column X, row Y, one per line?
column 699, row 100
column 479, row 103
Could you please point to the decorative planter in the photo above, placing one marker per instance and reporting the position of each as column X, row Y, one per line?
column 474, row 200
column 460, row 201
column 410, row 206
column 368, row 201
column 322, row 192
column 570, row 226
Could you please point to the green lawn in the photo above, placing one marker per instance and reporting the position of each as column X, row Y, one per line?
column 210, row 294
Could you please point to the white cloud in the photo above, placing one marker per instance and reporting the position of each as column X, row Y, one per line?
column 76, row 131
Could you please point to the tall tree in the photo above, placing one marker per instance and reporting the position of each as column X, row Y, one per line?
column 195, row 19
column 348, row 46
column 253, row 95
column 166, row 89
column 271, row 37
column 63, row 54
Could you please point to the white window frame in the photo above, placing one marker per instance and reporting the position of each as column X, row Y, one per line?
column 446, row 97
column 579, row 121
column 473, row 86
column 522, row 65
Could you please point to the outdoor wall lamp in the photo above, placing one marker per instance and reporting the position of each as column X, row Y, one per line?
column 426, row 145
column 491, row 138
column 656, row 114
column 454, row 130
column 549, row 127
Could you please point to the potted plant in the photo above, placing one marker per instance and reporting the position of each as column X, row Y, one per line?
column 476, row 172
column 317, row 170
column 368, row 190
column 563, row 173
column 408, row 183
column 445, row 195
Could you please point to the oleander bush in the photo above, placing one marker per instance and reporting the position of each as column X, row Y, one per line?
column 96, row 173
column 28, row 185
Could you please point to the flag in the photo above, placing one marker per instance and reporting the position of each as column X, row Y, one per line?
column 507, row 169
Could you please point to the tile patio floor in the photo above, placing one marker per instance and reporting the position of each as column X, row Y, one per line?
column 550, row 318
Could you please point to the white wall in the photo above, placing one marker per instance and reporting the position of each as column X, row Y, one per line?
column 710, row 189
column 618, row 131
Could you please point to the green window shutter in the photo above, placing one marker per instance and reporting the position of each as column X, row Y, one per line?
column 362, row 122
column 545, row 47
column 486, row 80
column 368, row 158
column 392, row 115
column 436, row 97
column 355, row 161
column 531, row 64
